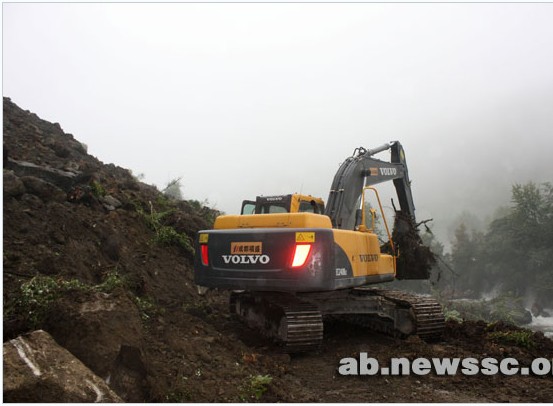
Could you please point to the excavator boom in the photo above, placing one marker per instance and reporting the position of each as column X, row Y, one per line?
column 360, row 170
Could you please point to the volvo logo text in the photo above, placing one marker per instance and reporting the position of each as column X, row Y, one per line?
column 246, row 259
column 388, row 171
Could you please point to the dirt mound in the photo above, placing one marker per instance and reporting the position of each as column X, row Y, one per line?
column 102, row 262
column 101, row 278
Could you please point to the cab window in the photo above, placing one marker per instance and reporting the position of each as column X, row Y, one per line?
column 273, row 208
column 311, row 207
column 307, row 207
column 248, row 208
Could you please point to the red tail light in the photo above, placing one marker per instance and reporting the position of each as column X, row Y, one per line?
column 205, row 254
column 301, row 253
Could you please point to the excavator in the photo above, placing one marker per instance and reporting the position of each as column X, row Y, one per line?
column 291, row 262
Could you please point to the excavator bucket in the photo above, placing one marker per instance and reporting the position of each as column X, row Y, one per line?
column 415, row 260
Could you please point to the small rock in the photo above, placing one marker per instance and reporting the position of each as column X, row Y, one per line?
column 58, row 237
column 110, row 201
column 61, row 150
column 32, row 201
column 71, row 166
column 13, row 186
column 45, row 190
column 112, row 247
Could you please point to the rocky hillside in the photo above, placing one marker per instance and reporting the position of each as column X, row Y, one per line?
column 82, row 235
column 102, row 263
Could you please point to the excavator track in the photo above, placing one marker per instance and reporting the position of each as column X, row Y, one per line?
column 296, row 325
column 296, row 321
column 302, row 329
column 427, row 313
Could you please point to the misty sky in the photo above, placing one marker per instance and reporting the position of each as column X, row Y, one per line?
column 247, row 99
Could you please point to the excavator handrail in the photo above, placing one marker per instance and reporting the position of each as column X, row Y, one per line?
column 392, row 246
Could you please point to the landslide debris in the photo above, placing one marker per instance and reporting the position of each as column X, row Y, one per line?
column 102, row 263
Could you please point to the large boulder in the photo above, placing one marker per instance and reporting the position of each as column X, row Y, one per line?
column 105, row 332
column 45, row 190
column 94, row 326
column 62, row 179
column 37, row 369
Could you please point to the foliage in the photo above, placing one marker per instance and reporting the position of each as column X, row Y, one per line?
column 467, row 256
column 178, row 396
column 40, row 292
column 520, row 338
column 112, row 280
column 505, row 307
column 173, row 189
column 196, row 204
column 254, row 387
column 452, row 315
column 146, row 307
column 515, row 253
column 139, row 177
column 468, row 309
column 36, row 297
column 169, row 236
column 165, row 234
column 97, row 189
column 204, row 210
column 160, row 216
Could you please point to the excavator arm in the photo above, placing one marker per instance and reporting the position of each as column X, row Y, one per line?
column 362, row 169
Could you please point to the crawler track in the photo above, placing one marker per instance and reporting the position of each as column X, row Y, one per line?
column 302, row 328
column 296, row 322
column 427, row 312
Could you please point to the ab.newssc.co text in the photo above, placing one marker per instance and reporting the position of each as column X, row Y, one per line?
column 366, row 365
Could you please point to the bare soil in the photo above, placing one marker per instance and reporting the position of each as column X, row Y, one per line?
column 185, row 347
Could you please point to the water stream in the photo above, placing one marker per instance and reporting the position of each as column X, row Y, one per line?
column 544, row 324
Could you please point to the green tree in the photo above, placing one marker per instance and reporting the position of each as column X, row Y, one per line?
column 516, row 253
column 173, row 189
column 466, row 260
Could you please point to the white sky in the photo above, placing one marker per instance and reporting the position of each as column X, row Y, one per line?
column 247, row 99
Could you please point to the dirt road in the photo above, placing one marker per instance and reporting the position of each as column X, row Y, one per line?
column 314, row 377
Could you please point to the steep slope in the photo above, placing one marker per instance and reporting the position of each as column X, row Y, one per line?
column 102, row 262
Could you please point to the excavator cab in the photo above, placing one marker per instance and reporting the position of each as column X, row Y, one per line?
column 292, row 203
column 248, row 207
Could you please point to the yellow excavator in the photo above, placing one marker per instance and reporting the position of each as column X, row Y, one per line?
column 290, row 261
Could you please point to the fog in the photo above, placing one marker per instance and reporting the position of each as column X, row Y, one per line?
column 246, row 99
